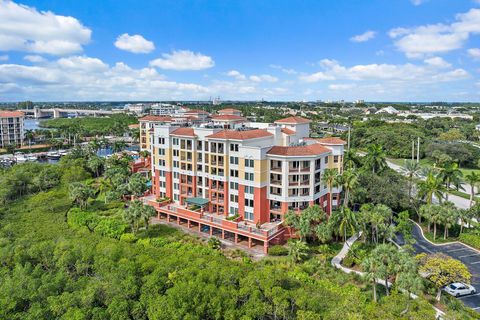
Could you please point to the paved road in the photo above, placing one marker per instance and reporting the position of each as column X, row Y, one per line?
column 460, row 252
column 458, row 201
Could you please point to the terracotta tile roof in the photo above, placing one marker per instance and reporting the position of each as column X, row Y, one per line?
column 227, row 117
column 189, row 132
column 288, row 131
column 229, row 110
column 196, row 111
column 156, row 119
column 134, row 126
column 240, row 135
column 331, row 140
column 293, row 120
column 10, row 114
column 308, row 150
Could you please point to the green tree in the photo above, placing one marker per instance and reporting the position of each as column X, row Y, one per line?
column 133, row 215
column 303, row 222
column 387, row 257
column 348, row 222
column 443, row 270
column 375, row 158
column 297, row 250
column 448, row 216
column 29, row 136
column 349, row 181
column 473, row 180
column 214, row 243
column 450, row 174
column 80, row 193
column 430, row 187
column 330, row 177
column 411, row 169
column 95, row 164
column 371, row 268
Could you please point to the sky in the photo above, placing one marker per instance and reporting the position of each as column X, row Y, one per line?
column 128, row 50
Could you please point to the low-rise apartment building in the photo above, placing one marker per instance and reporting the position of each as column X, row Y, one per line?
column 245, row 177
column 11, row 128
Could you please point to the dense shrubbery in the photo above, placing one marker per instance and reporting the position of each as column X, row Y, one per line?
column 470, row 239
column 277, row 251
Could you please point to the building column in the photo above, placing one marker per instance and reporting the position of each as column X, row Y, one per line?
column 249, row 242
column 236, row 237
column 188, row 224
column 211, row 231
column 265, row 247
column 199, row 227
column 168, row 217
column 178, row 220
column 223, row 234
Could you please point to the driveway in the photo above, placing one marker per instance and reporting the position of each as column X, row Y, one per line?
column 469, row 257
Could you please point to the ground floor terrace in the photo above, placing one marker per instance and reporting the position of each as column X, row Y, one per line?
column 241, row 233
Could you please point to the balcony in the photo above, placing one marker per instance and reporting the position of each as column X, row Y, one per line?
column 276, row 169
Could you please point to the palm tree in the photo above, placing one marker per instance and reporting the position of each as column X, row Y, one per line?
column 297, row 250
column 411, row 169
column 375, row 158
column 371, row 269
column 431, row 186
column 133, row 215
column 450, row 174
column 329, row 177
column 464, row 217
column 349, row 181
column 29, row 136
column 146, row 213
column 350, row 159
column 80, row 193
column 118, row 146
column 448, row 216
column 427, row 211
column 473, row 179
column 348, row 222
column 436, row 217
column 95, row 164
column 387, row 256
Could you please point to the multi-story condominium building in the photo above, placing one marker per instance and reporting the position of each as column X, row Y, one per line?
column 245, row 177
column 11, row 128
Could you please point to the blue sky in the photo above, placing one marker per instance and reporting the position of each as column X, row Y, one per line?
column 376, row 50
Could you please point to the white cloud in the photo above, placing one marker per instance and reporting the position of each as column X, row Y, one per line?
column 4, row 57
column 23, row 28
column 182, row 60
column 35, row 58
column 86, row 64
column 437, row 38
column 315, row 77
column 474, row 52
column 367, row 35
column 333, row 70
column 341, row 86
column 417, row 2
column 437, row 62
column 135, row 43
column 263, row 78
column 236, row 74
column 284, row 70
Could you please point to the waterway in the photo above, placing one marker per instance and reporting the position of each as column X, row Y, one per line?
column 31, row 124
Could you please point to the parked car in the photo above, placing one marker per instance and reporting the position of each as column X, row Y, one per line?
column 460, row 289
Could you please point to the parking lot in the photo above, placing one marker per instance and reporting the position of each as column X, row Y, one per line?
column 469, row 257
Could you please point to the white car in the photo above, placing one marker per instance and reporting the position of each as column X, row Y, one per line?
column 460, row 289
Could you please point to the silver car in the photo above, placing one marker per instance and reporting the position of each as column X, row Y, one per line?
column 457, row 289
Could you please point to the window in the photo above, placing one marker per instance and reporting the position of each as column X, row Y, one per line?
column 161, row 173
column 248, row 202
column 175, row 164
column 175, row 141
column 199, row 145
column 233, row 173
column 161, row 162
column 233, row 211
column 249, row 216
column 176, row 153
column 335, row 159
column 161, row 140
column 233, row 160
column 162, row 184
column 234, row 185
column 234, row 147
column 249, row 163
column 234, row 198
column 161, row 152
column 175, row 175
column 249, row 189
column 249, row 176
column 326, row 160
column 176, row 186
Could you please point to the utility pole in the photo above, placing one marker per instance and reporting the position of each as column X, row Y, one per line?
column 348, row 145
column 413, row 150
column 418, row 150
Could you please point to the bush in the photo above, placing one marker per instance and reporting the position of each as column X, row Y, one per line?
column 231, row 218
column 349, row 261
column 112, row 228
column 214, row 243
column 278, row 251
column 470, row 239
column 128, row 237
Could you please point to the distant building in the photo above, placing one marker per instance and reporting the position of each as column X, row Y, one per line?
column 164, row 109
column 230, row 111
column 389, row 110
column 216, row 101
column 477, row 127
column 137, row 108
column 11, row 128
column 426, row 116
